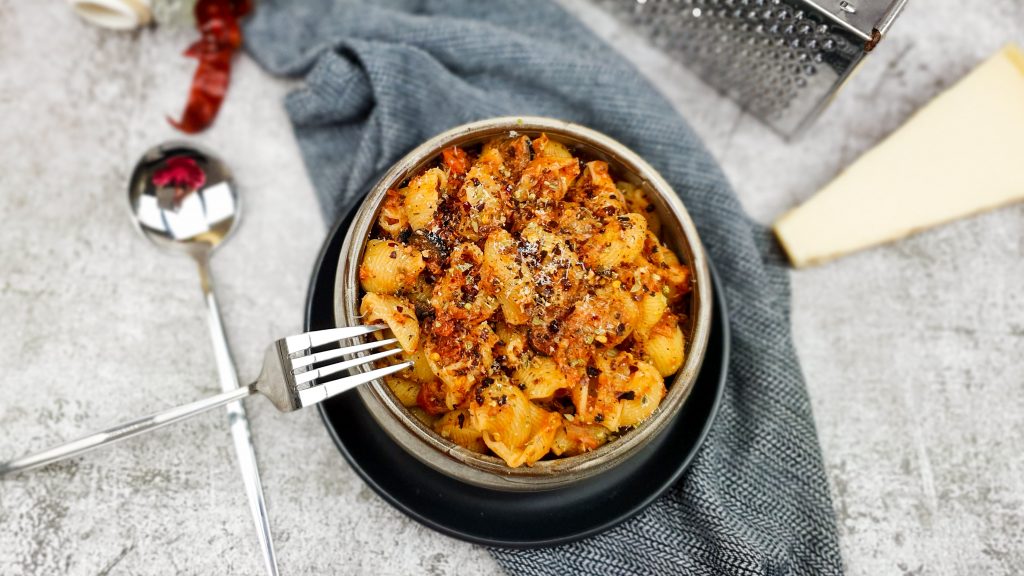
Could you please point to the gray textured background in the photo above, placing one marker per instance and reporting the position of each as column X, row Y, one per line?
column 912, row 352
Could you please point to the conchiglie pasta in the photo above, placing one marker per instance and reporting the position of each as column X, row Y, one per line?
column 546, row 147
column 462, row 360
column 421, row 198
column 664, row 346
column 621, row 241
column 577, row 222
column 541, row 377
column 573, row 439
column 517, row 430
column 457, row 426
column 637, row 201
column 514, row 309
column 546, row 179
column 677, row 276
column 513, row 152
column 548, row 261
column 652, row 307
column 392, row 215
column 643, row 394
column 420, row 371
column 596, row 190
column 404, row 389
column 506, row 278
column 666, row 268
column 397, row 313
column 483, row 194
column 511, row 346
column 457, row 295
column 599, row 321
column 613, row 369
column 388, row 267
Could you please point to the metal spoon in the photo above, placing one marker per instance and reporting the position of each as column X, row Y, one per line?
column 183, row 199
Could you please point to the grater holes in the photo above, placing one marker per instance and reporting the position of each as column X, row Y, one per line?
column 763, row 53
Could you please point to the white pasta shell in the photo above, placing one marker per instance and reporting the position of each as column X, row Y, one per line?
column 648, row 388
column 422, row 196
column 664, row 347
column 542, row 378
column 406, row 390
column 397, row 313
column 388, row 267
column 621, row 241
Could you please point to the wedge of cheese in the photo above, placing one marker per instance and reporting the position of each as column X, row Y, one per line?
column 961, row 154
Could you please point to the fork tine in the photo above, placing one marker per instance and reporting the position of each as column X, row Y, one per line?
column 320, row 337
column 311, row 359
column 334, row 387
column 310, row 375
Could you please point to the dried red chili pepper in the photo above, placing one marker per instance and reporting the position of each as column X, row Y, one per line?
column 180, row 171
column 220, row 37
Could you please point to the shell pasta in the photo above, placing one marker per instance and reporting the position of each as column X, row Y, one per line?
column 530, row 288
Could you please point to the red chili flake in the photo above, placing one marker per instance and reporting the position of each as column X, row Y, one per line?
column 220, row 37
column 394, row 254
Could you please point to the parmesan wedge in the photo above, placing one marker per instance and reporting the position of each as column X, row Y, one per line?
column 961, row 154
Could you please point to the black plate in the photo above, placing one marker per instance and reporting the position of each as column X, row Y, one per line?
column 511, row 519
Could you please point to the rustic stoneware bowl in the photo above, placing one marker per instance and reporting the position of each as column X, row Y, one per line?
column 678, row 232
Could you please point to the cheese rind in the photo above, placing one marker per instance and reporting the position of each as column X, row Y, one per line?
column 961, row 154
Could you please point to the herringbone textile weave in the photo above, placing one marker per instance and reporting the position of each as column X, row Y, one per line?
column 379, row 77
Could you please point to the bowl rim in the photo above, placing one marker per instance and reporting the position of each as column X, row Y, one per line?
column 489, row 471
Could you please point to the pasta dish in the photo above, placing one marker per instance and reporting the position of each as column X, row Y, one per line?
column 532, row 292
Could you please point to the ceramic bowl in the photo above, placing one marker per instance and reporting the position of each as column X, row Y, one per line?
column 678, row 232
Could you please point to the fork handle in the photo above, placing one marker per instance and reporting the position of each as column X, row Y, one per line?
column 122, row 431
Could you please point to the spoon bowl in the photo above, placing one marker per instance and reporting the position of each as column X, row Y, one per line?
column 183, row 198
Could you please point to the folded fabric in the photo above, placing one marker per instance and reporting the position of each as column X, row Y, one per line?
column 380, row 77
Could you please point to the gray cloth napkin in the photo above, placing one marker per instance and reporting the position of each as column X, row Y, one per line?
column 379, row 77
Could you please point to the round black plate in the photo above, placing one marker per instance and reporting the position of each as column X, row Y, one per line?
column 511, row 519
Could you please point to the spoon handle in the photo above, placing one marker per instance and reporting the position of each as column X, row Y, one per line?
column 122, row 431
column 238, row 421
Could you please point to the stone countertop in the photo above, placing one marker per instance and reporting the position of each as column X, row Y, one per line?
column 912, row 351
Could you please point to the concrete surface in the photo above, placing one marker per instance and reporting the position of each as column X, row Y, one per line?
column 912, row 352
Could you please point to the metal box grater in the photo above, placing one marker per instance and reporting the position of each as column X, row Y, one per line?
column 781, row 60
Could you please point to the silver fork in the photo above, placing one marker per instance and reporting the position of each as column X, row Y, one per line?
column 293, row 377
